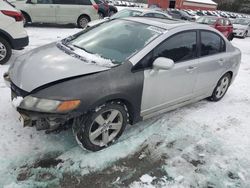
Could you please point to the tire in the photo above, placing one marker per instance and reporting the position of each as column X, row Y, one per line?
column 111, row 13
column 5, row 51
column 26, row 20
column 82, row 21
column 221, row 88
column 103, row 134
column 101, row 15
column 230, row 37
column 245, row 35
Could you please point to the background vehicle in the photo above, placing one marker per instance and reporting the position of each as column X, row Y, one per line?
column 223, row 25
column 58, row 11
column 130, row 12
column 12, row 33
column 180, row 14
column 241, row 27
column 141, row 56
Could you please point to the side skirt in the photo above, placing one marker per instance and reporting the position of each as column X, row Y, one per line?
column 173, row 107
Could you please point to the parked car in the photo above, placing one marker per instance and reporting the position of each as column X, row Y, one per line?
column 180, row 14
column 58, row 11
column 12, row 33
column 223, row 25
column 241, row 27
column 120, row 72
column 128, row 12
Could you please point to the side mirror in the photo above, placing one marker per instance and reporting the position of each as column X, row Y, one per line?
column 163, row 63
column 33, row 1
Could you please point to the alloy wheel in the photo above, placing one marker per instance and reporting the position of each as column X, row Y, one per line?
column 105, row 127
column 222, row 87
column 3, row 51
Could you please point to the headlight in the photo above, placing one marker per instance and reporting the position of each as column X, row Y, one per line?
column 47, row 105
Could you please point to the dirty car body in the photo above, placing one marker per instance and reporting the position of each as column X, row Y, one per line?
column 138, row 69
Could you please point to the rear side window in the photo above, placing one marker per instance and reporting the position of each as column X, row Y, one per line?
column 211, row 43
column 180, row 47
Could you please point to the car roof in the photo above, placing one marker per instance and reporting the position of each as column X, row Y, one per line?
column 166, row 24
column 144, row 10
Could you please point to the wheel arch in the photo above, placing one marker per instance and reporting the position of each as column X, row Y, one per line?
column 85, row 15
column 25, row 13
column 131, row 109
column 7, row 37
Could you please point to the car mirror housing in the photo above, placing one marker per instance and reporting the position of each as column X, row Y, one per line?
column 163, row 63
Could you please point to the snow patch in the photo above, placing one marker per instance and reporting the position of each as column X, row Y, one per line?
column 17, row 101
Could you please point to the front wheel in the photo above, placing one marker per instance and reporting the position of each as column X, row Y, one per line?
column 244, row 35
column 221, row 88
column 5, row 51
column 102, row 127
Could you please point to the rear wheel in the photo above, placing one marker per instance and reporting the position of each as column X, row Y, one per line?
column 221, row 88
column 5, row 51
column 245, row 35
column 101, row 128
column 82, row 21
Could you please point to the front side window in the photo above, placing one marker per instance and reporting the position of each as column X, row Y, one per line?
column 180, row 47
column 156, row 15
column 116, row 40
column 211, row 43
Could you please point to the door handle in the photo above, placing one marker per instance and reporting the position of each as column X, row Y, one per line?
column 221, row 61
column 191, row 68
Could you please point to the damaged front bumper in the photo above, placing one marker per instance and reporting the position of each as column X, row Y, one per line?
column 48, row 121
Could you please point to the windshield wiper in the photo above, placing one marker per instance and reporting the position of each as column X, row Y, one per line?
column 82, row 48
column 66, row 44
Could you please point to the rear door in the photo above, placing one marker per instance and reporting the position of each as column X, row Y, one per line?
column 43, row 11
column 213, row 58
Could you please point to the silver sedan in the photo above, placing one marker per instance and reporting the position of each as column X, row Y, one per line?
column 120, row 72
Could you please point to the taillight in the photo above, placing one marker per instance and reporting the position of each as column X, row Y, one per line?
column 96, row 6
column 16, row 15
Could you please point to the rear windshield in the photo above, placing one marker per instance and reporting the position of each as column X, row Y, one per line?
column 206, row 20
column 116, row 40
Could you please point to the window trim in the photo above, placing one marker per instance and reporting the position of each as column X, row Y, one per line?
column 222, row 40
column 134, row 69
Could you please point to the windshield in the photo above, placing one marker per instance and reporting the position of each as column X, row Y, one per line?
column 206, row 20
column 126, row 13
column 116, row 40
column 242, row 21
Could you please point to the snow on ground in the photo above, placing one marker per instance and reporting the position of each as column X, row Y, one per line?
column 205, row 144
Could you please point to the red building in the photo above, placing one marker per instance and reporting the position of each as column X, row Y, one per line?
column 185, row 4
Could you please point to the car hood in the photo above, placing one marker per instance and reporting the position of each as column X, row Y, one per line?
column 238, row 26
column 48, row 64
column 96, row 22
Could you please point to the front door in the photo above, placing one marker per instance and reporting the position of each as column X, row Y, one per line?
column 43, row 11
column 165, row 88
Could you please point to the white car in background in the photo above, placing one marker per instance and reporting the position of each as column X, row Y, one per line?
column 78, row 12
column 241, row 27
column 12, row 33
column 131, row 12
